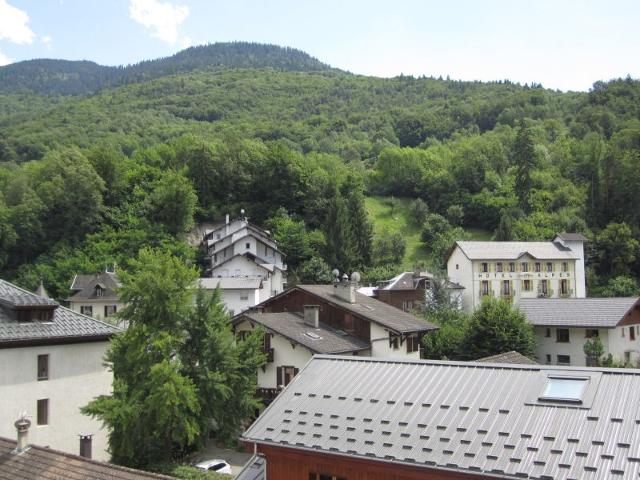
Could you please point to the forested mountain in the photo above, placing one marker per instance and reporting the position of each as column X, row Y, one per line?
column 86, row 181
column 64, row 77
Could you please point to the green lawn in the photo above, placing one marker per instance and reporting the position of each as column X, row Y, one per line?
column 399, row 220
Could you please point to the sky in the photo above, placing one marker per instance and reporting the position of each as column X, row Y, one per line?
column 561, row 44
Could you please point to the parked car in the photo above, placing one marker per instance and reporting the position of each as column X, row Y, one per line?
column 215, row 465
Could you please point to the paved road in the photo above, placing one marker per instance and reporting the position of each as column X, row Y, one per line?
column 234, row 458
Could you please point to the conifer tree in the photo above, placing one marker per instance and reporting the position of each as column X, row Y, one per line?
column 361, row 227
column 525, row 161
column 340, row 246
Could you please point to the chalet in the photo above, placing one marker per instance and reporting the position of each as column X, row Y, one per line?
column 238, row 249
column 413, row 290
column 518, row 270
column 20, row 460
column 237, row 293
column 52, row 364
column 563, row 326
column 356, row 418
column 96, row 295
column 328, row 319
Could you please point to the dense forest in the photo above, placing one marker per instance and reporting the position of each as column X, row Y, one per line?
column 89, row 178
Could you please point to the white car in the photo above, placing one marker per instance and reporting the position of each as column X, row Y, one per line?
column 215, row 465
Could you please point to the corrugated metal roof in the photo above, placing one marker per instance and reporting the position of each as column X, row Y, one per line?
column 514, row 250
column 577, row 312
column 39, row 463
column 508, row 357
column 231, row 283
column 370, row 309
column 465, row 416
column 66, row 324
column 319, row 340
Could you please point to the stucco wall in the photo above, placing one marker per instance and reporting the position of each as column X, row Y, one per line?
column 98, row 308
column 380, row 345
column 463, row 275
column 76, row 376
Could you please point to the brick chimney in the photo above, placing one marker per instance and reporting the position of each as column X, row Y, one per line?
column 312, row 315
column 22, row 426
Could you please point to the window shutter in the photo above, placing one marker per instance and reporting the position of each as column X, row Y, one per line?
column 522, row 285
column 295, row 371
column 510, row 287
column 279, row 376
column 105, row 311
column 267, row 341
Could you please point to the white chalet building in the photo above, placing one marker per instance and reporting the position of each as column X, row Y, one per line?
column 518, row 270
column 237, row 249
column 562, row 327
column 96, row 295
column 52, row 365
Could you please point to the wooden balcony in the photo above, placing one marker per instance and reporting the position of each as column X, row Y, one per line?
column 267, row 394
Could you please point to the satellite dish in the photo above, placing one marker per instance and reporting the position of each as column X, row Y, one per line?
column 355, row 277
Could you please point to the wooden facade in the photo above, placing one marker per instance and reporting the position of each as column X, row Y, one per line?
column 296, row 464
column 295, row 300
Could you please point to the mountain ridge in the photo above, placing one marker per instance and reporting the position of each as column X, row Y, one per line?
column 80, row 77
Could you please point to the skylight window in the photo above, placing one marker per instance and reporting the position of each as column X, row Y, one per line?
column 565, row 389
column 312, row 335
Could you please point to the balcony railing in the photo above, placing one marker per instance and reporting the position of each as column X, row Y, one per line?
column 544, row 294
column 269, row 353
column 267, row 393
column 566, row 293
column 487, row 293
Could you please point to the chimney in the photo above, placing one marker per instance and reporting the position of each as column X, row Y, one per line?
column 312, row 315
column 346, row 289
column 22, row 426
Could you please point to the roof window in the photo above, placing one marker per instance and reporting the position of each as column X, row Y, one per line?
column 312, row 335
column 564, row 389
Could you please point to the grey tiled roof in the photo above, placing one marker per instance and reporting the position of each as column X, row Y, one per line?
column 66, row 324
column 12, row 296
column 86, row 285
column 512, row 357
column 372, row 309
column 573, row 237
column 463, row 416
column 39, row 463
column 577, row 312
column 292, row 326
column 514, row 250
column 254, row 469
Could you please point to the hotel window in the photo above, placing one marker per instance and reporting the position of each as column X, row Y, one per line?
column 485, row 287
column 543, row 288
column 512, row 267
column 564, row 288
column 506, row 287
column 43, row 367
column 526, row 285
column 549, row 267
column 484, row 268
column 562, row 335
column 499, row 267
column 86, row 310
column 591, row 333
column 536, row 266
column 565, row 267
column 43, row 412
column 524, row 266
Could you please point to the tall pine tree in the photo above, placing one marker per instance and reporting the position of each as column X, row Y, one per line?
column 525, row 162
column 341, row 252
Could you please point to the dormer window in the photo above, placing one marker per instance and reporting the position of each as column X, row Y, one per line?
column 99, row 292
column 564, row 389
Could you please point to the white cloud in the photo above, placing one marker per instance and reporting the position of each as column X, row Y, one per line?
column 4, row 60
column 14, row 24
column 47, row 41
column 162, row 18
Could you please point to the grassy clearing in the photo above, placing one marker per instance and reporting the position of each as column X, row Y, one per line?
column 399, row 220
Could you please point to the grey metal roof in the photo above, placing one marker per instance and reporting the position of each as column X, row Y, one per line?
column 464, row 416
column 86, row 284
column 512, row 357
column 66, row 324
column 371, row 309
column 231, row 283
column 577, row 312
column 292, row 326
column 12, row 296
column 514, row 250
column 572, row 237
column 40, row 463
column 254, row 469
